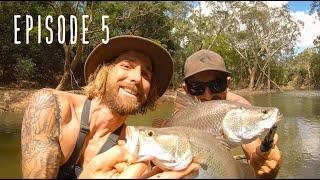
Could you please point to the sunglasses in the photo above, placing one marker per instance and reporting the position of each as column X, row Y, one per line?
column 198, row 88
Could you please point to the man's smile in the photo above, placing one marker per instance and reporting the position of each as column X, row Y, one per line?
column 129, row 91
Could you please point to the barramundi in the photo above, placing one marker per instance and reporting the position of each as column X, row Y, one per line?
column 235, row 123
column 174, row 148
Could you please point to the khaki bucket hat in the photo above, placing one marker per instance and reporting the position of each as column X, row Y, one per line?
column 162, row 65
column 204, row 60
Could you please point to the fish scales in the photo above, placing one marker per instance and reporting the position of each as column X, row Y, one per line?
column 215, row 160
column 236, row 122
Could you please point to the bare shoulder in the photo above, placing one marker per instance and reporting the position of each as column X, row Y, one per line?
column 42, row 95
column 40, row 133
column 64, row 102
column 47, row 112
column 48, row 98
column 236, row 98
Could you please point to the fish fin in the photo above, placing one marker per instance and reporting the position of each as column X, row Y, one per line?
column 183, row 100
column 225, row 143
column 158, row 123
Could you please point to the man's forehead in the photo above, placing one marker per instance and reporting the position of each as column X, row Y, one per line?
column 136, row 56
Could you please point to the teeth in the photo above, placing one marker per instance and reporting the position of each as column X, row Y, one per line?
column 129, row 91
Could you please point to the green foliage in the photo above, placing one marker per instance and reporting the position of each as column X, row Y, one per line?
column 25, row 69
column 43, row 62
column 253, row 29
column 315, row 68
column 303, row 70
column 232, row 61
column 277, row 71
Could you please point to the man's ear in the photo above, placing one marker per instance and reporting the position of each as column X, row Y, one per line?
column 229, row 81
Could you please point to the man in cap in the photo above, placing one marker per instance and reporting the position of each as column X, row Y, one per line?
column 64, row 133
column 206, row 78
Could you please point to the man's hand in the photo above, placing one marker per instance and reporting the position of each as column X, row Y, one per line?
column 105, row 165
column 265, row 164
column 117, row 163
column 157, row 173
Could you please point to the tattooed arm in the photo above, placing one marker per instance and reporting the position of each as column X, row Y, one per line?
column 41, row 153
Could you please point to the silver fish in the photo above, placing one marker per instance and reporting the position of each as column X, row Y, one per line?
column 173, row 148
column 233, row 122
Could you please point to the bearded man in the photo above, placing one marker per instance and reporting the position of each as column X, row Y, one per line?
column 67, row 135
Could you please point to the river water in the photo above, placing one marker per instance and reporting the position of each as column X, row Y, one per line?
column 299, row 133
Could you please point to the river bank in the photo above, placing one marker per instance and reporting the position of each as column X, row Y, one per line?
column 16, row 99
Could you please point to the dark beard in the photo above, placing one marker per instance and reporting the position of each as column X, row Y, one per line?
column 129, row 107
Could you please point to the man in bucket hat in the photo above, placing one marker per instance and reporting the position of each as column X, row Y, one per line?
column 206, row 78
column 63, row 132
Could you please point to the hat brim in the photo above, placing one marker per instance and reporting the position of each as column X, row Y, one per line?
column 227, row 73
column 162, row 65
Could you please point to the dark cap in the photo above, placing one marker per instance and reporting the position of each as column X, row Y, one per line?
column 204, row 60
column 162, row 65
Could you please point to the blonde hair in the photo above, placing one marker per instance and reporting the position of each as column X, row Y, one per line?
column 97, row 86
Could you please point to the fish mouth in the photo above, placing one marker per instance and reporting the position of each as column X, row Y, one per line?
column 275, row 116
column 144, row 149
column 148, row 149
column 132, row 137
column 245, row 133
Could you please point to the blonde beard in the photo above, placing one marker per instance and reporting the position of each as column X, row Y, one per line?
column 118, row 105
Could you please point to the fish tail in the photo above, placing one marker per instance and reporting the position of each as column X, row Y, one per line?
column 158, row 123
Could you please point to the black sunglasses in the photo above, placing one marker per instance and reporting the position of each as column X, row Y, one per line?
column 198, row 88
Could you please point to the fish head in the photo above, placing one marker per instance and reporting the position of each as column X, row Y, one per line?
column 245, row 124
column 167, row 149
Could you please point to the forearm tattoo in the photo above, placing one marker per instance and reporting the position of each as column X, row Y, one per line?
column 41, row 153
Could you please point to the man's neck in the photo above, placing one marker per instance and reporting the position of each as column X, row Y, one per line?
column 102, row 119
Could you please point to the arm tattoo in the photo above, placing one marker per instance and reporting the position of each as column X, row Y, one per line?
column 41, row 153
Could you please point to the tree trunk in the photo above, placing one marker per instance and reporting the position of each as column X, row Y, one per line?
column 253, row 71
column 268, row 78
column 241, row 78
column 252, row 75
column 71, row 66
column 66, row 70
column 64, row 81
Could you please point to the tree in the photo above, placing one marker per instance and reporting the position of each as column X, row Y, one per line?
column 259, row 34
column 41, row 59
column 315, row 7
column 70, row 62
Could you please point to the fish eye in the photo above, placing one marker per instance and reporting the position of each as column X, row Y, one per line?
column 150, row 133
column 264, row 111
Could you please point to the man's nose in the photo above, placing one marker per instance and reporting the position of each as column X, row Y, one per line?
column 135, row 75
column 207, row 95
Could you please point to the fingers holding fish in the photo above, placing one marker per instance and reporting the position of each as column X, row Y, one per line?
column 135, row 170
column 193, row 167
column 251, row 147
column 153, row 171
column 266, row 164
column 103, row 165
column 273, row 154
column 276, row 139
column 121, row 142
column 269, row 171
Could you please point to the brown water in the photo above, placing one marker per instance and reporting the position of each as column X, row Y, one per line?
column 299, row 133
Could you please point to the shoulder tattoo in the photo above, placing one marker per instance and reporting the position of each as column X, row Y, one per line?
column 40, row 148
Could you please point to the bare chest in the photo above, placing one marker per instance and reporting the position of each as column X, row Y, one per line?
column 91, row 148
